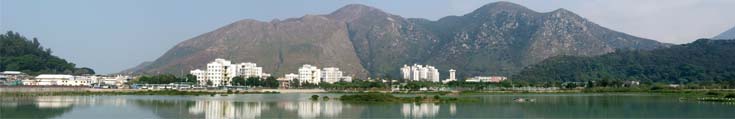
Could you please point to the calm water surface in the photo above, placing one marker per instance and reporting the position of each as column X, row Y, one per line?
column 299, row 106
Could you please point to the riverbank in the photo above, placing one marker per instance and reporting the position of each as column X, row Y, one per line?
column 687, row 93
column 52, row 91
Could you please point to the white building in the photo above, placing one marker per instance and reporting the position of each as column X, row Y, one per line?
column 331, row 75
column 220, row 72
column 13, row 75
column 250, row 69
column 291, row 76
column 452, row 76
column 492, row 79
column 57, row 80
column 200, row 74
column 420, row 73
column 310, row 74
column 117, row 80
column 346, row 79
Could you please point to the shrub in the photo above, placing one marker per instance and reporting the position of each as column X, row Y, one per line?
column 712, row 93
column 314, row 97
column 731, row 95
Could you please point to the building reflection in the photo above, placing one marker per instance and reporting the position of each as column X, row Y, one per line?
column 453, row 109
column 55, row 102
column 420, row 110
column 312, row 109
column 68, row 101
column 38, row 107
column 222, row 109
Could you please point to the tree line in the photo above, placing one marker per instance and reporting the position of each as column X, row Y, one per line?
column 17, row 53
column 701, row 62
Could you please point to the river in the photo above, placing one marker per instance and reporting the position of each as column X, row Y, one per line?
column 299, row 106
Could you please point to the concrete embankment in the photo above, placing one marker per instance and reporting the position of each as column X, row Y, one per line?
column 86, row 89
column 294, row 90
column 41, row 89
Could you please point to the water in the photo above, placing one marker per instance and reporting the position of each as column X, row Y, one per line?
column 299, row 106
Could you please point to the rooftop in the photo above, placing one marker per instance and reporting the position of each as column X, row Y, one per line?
column 49, row 76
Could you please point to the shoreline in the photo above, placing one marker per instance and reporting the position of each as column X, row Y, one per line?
column 5, row 90
column 53, row 91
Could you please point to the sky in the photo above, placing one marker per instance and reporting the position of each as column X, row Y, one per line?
column 113, row 35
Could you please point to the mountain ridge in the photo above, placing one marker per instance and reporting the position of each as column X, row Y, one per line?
column 497, row 39
column 700, row 61
column 729, row 34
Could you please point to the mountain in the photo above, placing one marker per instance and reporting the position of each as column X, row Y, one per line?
column 17, row 53
column 277, row 46
column 702, row 60
column 136, row 68
column 729, row 34
column 497, row 39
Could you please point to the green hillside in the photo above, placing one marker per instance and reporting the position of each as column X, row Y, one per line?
column 18, row 53
column 701, row 61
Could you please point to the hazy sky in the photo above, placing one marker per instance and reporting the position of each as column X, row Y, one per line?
column 112, row 35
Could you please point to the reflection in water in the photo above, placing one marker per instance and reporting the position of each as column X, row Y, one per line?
column 420, row 110
column 311, row 109
column 452, row 109
column 222, row 109
column 36, row 107
column 289, row 106
column 54, row 102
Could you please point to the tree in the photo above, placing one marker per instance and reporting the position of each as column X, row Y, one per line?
column 190, row 78
column 21, row 54
column 238, row 80
column 295, row 83
column 698, row 62
column 271, row 82
column 253, row 81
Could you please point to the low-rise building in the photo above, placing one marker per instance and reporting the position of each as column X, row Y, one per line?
column 346, row 78
column 284, row 83
column 13, row 75
column 452, row 76
column 291, row 76
column 492, row 79
column 58, row 80
column 117, row 80
column 631, row 83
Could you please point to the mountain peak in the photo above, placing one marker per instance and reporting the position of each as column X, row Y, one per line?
column 563, row 13
column 354, row 11
column 561, row 10
column 502, row 6
column 355, row 7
